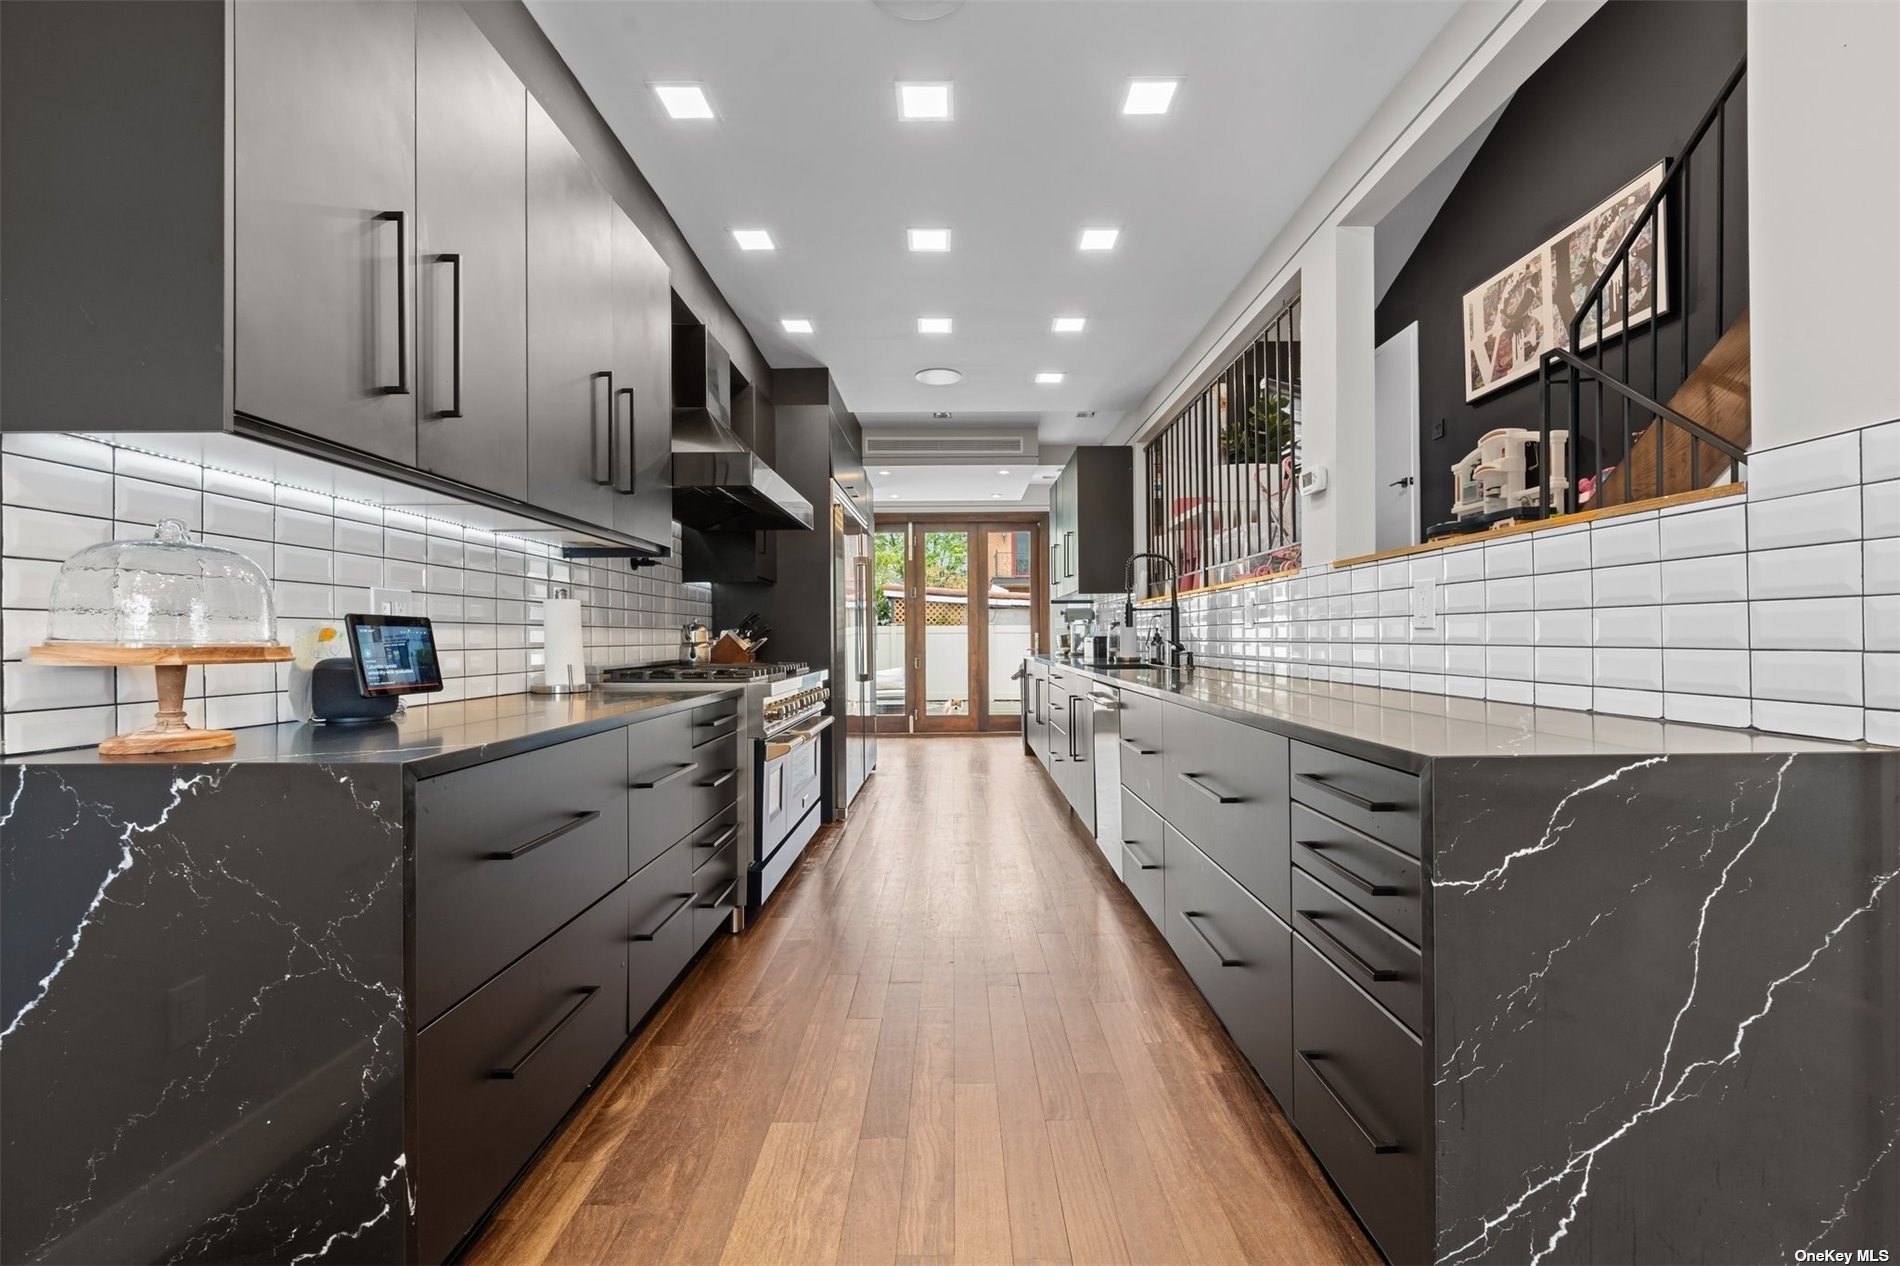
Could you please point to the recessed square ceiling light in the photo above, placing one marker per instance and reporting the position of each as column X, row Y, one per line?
column 1098, row 239
column 1048, row 378
column 753, row 240
column 918, row 102
column 930, row 239
column 796, row 325
column 1149, row 96
column 933, row 325
column 1068, row 325
column 1002, row 472
column 684, row 101
column 996, row 496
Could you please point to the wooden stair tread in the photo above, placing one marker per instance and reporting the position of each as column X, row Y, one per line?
column 1717, row 395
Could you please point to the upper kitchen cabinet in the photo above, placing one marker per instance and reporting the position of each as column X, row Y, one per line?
column 324, row 104
column 1092, row 522
column 472, row 257
column 571, row 389
column 642, row 437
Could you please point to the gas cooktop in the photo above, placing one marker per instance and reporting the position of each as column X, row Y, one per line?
column 682, row 671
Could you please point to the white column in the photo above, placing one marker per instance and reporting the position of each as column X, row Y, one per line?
column 1824, row 215
column 1336, row 344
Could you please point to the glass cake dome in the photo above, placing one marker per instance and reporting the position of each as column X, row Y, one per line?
column 167, row 591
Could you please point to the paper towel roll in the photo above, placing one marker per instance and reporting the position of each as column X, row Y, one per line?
column 566, row 662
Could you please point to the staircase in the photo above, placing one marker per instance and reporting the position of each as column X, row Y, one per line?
column 1607, row 395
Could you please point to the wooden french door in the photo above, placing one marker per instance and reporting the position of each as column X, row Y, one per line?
column 960, row 601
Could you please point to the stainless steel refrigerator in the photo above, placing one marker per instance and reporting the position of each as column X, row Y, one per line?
column 856, row 678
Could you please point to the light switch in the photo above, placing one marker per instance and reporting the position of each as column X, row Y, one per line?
column 392, row 602
column 1425, row 603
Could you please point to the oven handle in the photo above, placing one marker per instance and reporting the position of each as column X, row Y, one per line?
column 777, row 747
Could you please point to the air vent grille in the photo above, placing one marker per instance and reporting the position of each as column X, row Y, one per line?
column 944, row 446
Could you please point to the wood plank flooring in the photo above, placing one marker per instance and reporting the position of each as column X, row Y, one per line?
column 952, row 1037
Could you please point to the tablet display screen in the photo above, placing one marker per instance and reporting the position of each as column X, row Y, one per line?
column 394, row 655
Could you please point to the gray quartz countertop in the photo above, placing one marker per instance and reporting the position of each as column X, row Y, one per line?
column 432, row 739
column 1407, row 729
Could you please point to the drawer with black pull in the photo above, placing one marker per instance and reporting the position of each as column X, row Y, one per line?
column 716, row 720
column 1226, row 791
column 716, row 780
column 1379, row 879
column 1382, row 802
column 1382, row 964
column 498, row 1072
column 716, row 891
column 660, row 932
column 1235, row 949
column 1359, row 1100
column 1143, row 855
column 1143, row 742
column 663, row 772
column 709, row 837
column 508, row 851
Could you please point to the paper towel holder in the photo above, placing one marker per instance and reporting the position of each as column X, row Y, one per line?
column 572, row 686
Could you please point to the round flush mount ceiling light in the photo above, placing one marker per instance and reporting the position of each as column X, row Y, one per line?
column 939, row 377
column 919, row 10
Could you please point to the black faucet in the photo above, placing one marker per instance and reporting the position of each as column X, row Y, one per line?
column 1178, row 655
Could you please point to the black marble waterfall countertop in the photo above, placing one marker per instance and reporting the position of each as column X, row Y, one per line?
column 1405, row 729
column 427, row 740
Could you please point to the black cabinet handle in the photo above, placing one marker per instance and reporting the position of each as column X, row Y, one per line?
column 578, row 820
column 657, row 928
column 724, row 898
column 1141, row 859
column 454, row 261
column 663, row 779
column 718, row 842
column 401, row 220
column 603, row 455
column 1358, row 802
column 722, row 780
column 1352, row 877
column 1073, row 727
column 1194, row 781
column 620, row 458
column 514, row 1070
column 1193, row 917
column 1374, row 973
column 1377, row 1144
column 719, row 724
column 1137, row 748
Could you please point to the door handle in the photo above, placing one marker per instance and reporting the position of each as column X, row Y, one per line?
column 1358, row 802
column 454, row 261
column 401, row 220
column 603, row 455
column 546, row 837
column 1313, row 917
column 663, row 779
column 1193, row 918
column 1401, row 483
column 1381, row 1146
column 513, row 1070
column 619, row 458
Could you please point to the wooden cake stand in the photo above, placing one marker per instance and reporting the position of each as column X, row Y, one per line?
column 170, row 732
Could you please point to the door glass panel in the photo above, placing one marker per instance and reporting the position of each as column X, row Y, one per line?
column 893, row 661
column 945, row 596
column 1010, row 607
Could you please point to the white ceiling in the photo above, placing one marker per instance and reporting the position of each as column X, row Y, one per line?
column 807, row 144
column 963, row 485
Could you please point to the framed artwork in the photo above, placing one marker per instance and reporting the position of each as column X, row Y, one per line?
column 1515, row 317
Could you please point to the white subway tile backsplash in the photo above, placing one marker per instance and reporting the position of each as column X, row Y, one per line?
column 31, row 687
column 42, row 485
column 295, row 562
column 1883, row 728
column 1627, row 626
column 235, row 516
column 1577, row 698
column 1629, row 703
column 1809, row 719
column 1508, row 627
column 59, row 727
column 1881, row 622
column 304, row 527
column 1706, row 625
column 1815, row 518
column 140, row 501
column 1733, row 713
column 1561, row 549
column 1628, row 668
column 1811, row 571
column 26, row 582
column 1832, row 462
column 1805, row 624
column 1567, row 664
column 1712, row 529
column 1718, row 579
column 1562, row 628
column 1513, row 593
column 1832, row 677
column 1880, row 452
column 1706, row 672
column 1620, row 542
column 47, row 534
column 1555, row 590
column 352, row 537
column 1464, row 563
column 1636, row 585
column 68, row 450
column 1881, row 678
column 1512, row 558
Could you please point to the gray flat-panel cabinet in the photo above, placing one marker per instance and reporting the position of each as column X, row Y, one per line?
column 1091, row 522
column 642, row 417
column 325, row 114
column 472, row 257
column 570, row 328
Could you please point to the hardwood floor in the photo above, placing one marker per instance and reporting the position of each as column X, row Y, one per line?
column 953, row 1036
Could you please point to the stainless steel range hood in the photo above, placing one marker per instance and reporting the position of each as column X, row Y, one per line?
column 719, row 484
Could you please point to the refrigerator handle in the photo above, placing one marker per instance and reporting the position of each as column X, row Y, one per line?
column 869, row 618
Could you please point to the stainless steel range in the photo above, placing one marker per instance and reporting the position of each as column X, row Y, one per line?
column 783, row 726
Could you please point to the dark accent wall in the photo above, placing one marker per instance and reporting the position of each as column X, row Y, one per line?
column 1623, row 93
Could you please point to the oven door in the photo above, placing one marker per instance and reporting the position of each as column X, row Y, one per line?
column 790, row 794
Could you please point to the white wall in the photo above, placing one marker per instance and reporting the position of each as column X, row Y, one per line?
column 1824, row 215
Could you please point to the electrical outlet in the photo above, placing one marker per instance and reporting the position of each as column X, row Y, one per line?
column 1438, row 429
column 1425, row 604
column 186, row 1022
column 391, row 601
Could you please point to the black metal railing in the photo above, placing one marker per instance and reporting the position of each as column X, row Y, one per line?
column 1605, row 316
column 1222, row 477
